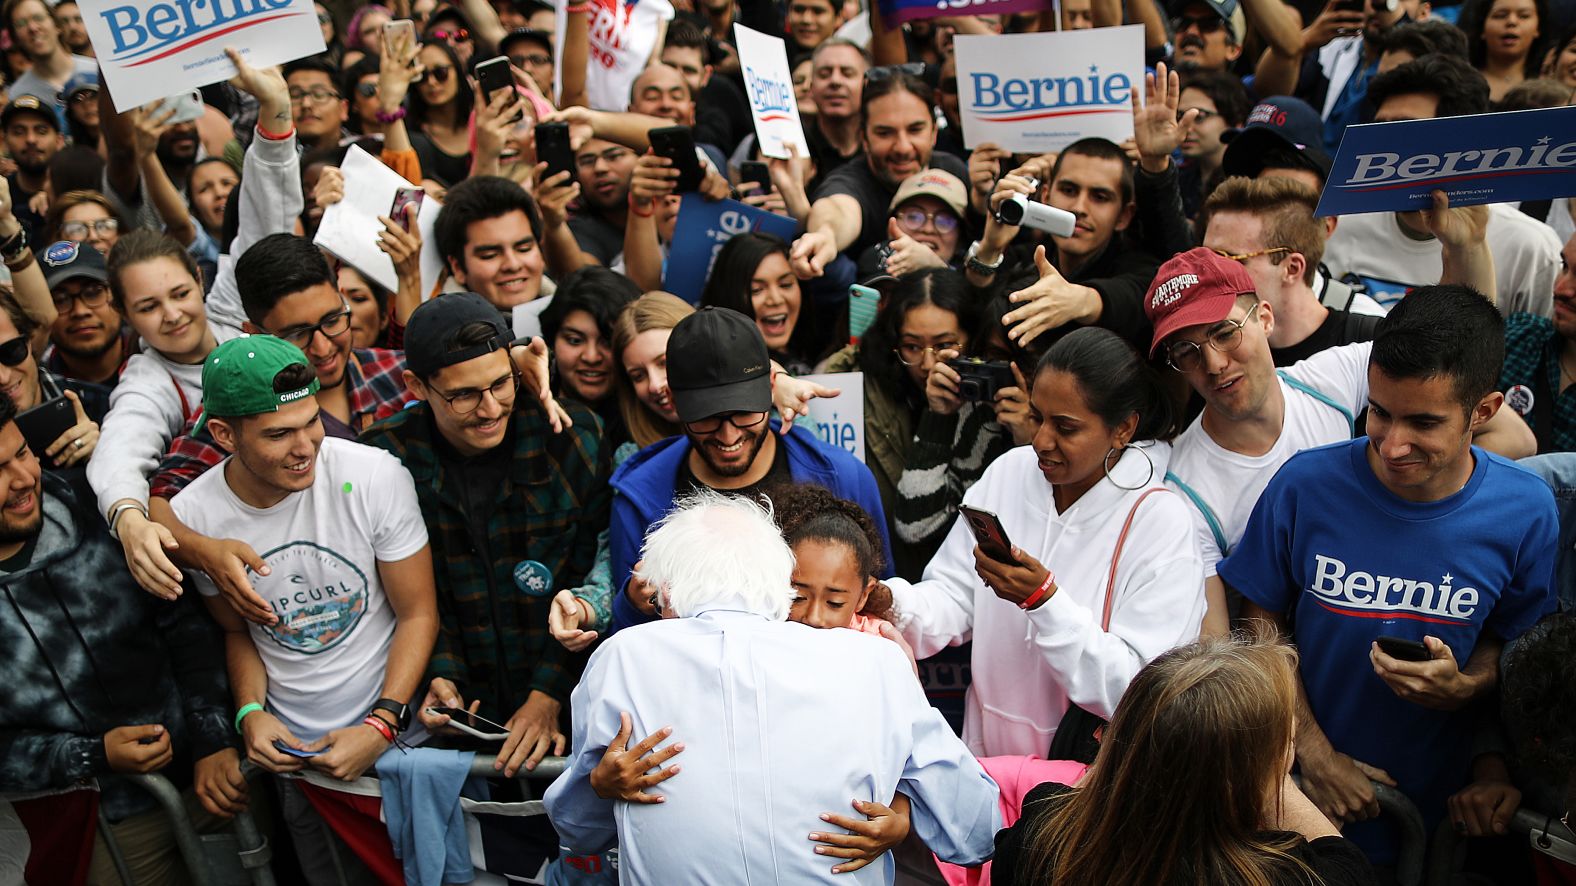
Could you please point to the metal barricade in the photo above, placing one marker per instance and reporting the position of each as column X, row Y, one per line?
column 1544, row 834
column 211, row 860
column 1409, row 866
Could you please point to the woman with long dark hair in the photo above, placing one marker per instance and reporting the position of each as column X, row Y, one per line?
column 1192, row 785
column 752, row 276
column 1505, row 40
column 578, row 326
column 1103, row 572
column 440, row 110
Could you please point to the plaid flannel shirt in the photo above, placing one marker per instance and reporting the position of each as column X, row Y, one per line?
column 376, row 380
column 493, row 640
column 1532, row 347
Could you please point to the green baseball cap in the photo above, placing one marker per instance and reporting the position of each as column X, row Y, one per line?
column 238, row 378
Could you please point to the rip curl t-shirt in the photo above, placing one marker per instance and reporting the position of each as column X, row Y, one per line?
column 1348, row 561
column 327, row 654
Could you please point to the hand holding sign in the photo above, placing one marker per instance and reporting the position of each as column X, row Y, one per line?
column 1050, row 302
column 764, row 63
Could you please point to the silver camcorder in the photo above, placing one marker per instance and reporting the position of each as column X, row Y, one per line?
column 1020, row 210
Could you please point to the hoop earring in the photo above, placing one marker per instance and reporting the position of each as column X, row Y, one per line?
column 1106, row 465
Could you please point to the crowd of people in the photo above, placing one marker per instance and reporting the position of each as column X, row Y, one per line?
column 1176, row 542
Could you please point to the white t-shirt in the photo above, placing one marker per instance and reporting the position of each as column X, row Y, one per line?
column 1229, row 483
column 623, row 35
column 1373, row 247
column 327, row 654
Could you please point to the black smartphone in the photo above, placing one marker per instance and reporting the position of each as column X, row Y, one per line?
column 493, row 75
column 404, row 197
column 1404, row 650
column 988, row 532
column 1349, row 5
column 42, row 425
column 552, row 147
column 754, row 172
column 472, row 724
column 677, row 144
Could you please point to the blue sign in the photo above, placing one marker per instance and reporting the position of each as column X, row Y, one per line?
column 1484, row 158
column 703, row 226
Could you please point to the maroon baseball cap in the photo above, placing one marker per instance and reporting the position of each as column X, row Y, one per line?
column 1194, row 287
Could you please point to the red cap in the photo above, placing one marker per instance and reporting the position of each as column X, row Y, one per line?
column 1194, row 287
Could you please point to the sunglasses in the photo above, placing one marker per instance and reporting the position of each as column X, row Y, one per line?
column 887, row 72
column 438, row 73
column 15, row 351
column 1207, row 24
column 367, row 90
column 458, row 34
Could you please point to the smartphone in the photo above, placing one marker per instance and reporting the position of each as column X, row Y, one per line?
column 472, row 724
column 188, row 106
column 988, row 532
column 399, row 28
column 283, row 748
column 42, row 425
column 1404, row 650
column 677, row 144
column 493, row 75
column 552, row 147
column 862, row 304
column 1349, row 5
column 754, row 172
column 404, row 197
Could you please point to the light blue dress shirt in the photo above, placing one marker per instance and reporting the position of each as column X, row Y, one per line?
column 780, row 722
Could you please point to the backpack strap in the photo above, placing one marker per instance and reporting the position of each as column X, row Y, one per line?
column 1116, row 557
column 1322, row 397
column 1210, row 519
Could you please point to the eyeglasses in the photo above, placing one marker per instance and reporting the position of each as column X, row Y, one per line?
column 460, row 34
column 93, row 295
column 465, row 402
column 1185, row 356
column 78, row 231
column 1207, row 24
column 531, row 61
column 367, row 90
column 887, row 72
column 912, row 218
column 1242, row 257
column 1202, row 114
column 317, row 94
column 15, row 351
column 332, row 326
column 438, row 73
column 741, row 420
column 914, row 355
column 83, row 96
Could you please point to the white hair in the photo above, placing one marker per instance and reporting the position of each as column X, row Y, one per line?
column 713, row 547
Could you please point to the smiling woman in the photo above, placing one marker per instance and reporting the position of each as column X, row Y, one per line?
column 752, row 276
column 578, row 325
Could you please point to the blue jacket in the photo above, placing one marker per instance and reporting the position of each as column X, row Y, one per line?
column 1558, row 469
column 643, row 490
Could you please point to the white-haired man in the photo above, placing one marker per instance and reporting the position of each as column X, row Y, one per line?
column 767, row 745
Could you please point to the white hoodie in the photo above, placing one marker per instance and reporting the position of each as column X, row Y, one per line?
column 145, row 409
column 1028, row 666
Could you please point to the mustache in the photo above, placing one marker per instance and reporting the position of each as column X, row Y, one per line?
column 1191, row 40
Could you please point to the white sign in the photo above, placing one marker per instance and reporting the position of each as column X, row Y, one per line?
column 769, row 84
column 1042, row 92
column 839, row 421
column 350, row 228
column 150, row 49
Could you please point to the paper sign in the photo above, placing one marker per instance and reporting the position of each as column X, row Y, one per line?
column 1484, row 158
column 896, row 12
column 527, row 318
column 350, row 228
column 149, row 49
column 1042, row 92
column 767, row 80
column 702, row 227
column 839, row 421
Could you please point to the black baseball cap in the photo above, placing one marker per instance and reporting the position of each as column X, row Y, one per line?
column 526, row 35
column 1276, row 122
column 717, row 364
column 432, row 326
column 65, row 260
column 29, row 104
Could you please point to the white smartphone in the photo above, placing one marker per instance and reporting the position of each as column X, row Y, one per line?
column 400, row 26
column 472, row 724
column 187, row 105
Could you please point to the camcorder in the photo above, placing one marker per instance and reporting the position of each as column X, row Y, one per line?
column 1020, row 210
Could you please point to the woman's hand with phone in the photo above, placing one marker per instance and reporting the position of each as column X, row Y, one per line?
column 76, row 445
column 1014, row 581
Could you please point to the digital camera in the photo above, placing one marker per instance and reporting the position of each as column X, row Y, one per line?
column 979, row 380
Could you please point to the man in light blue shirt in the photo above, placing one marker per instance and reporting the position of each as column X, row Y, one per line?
column 769, row 738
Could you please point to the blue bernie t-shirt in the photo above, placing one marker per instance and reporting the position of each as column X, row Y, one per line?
column 1348, row 561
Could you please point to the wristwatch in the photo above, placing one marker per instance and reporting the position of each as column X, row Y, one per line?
column 399, row 709
column 973, row 263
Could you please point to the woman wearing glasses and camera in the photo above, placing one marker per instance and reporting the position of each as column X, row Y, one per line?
column 1074, row 567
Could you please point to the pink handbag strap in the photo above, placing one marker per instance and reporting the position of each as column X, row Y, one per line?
column 1116, row 557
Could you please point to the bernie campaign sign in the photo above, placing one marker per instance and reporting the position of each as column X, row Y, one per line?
column 150, row 49
column 1042, row 92
column 1484, row 158
column 764, row 62
column 702, row 227
column 896, row 12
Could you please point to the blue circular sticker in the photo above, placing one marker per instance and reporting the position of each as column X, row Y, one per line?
column 62, row 252
column 533, row 578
